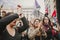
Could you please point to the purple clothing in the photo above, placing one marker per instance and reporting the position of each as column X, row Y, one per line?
column 46, row 27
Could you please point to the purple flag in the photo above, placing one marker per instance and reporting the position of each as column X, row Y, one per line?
column 36, row 4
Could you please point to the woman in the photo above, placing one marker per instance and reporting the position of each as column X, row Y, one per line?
column 47, row 28
column 34, row 31
column 6, row 27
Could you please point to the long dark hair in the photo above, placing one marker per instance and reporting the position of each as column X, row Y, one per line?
column 35, row 21
column 49, row 23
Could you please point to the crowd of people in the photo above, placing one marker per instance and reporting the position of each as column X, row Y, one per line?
column 15, row 26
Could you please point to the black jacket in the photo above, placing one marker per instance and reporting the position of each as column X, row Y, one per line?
column 5, row 21
column 8, row 19
column 25, row 25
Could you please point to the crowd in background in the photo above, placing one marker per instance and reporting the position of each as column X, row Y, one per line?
column 14, row 28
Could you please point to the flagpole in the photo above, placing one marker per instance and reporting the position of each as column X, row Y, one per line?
column 37, row 8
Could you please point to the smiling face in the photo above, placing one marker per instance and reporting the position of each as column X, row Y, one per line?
column 36, row 22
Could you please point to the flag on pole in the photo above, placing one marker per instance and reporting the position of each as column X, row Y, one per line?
column 46, row 11
column 54, row 13
column 36, row 11
column 54, row 16
column 36, row 4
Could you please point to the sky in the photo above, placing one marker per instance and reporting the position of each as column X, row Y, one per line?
column 24, row 3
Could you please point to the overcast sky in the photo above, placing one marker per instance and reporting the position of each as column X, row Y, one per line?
column 24, row 3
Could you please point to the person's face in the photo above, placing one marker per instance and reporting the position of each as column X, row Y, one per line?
column 36, row 23
column 3, row 14
column 13, row 23
column 46, row 20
